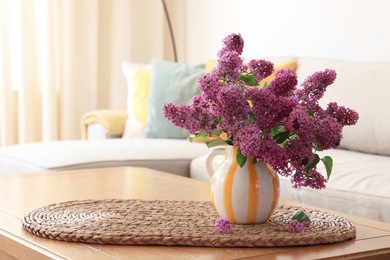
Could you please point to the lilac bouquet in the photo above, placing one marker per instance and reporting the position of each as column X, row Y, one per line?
column 278, row 123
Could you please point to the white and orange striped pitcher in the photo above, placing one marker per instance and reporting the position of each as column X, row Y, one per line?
column 246, row 195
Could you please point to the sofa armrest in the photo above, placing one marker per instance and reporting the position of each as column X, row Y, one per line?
column 101, row 124
column 96, row 131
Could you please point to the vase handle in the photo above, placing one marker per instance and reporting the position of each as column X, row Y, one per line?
column 209, row 160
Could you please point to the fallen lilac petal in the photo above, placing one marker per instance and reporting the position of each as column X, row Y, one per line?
column 295, row 227
column 222, row 225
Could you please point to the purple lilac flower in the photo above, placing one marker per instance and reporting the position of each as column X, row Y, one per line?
column 194, row 117
column 209, row 78
column 314, row 179
column 260, row 69
column 248, row 138
column 273, row 154
column 229, row 65
column 299, row 152
column 328, row 133
column 300, row 122
column 255, row 144
column 247, row 114
column 231, row 105
column 313, row 88
column 234, row 42
column 296, row 226
column 268, row 109
column 201, row 116
column 209, row 84
column 222, row 225
column 284, row 83
column 178, row 115
column 343, row 115
column 298, row 179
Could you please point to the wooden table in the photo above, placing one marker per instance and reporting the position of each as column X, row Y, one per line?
column 21, row 194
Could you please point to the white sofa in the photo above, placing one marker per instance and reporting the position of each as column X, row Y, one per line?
column 170, row 155
column 360, row 181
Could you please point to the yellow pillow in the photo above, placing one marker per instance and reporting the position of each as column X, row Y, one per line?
column 290, row 64
column 210, row 65
column 141, row 94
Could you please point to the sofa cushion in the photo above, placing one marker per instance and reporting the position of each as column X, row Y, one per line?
column 138, row 82
column 141, row 89
column 364, row 87
column 171, row 155
column 171, row 82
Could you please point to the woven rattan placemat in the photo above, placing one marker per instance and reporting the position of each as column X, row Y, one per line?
column 186, row 223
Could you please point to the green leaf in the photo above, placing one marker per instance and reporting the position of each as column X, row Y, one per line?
column 217, row 132
column 217, row 120
column 248, row 79
column 328, row 162
column 317, row 148
column 300, row 216
column 223, row 78
column 265, row 84
column 191, row 139
column 276, row 130
column 311, row 165
column 251, row 117
column 202, row 135
column 281, row 137
column 241, row 159
column 216, row 142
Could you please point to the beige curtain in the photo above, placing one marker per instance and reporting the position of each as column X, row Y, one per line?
column 62, row 58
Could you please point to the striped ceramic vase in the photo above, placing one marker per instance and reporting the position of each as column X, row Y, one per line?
column 246, row 195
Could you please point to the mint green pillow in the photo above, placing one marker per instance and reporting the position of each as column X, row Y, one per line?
column 170, row 82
